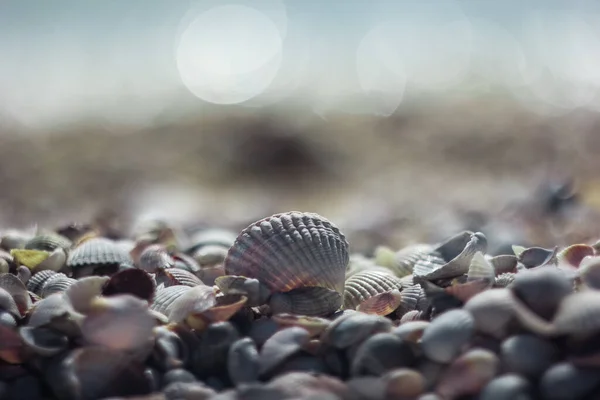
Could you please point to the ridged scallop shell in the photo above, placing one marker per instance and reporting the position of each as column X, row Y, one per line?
column 98, row 251
column 504, row 280
column 365, row 284
column 447, row 335
column 289, row 251
column 38, row 280
column 56, row 284
column 164, row 298
column 48, row 242
column 177, row 276
column 406, row 258
column 155, row 257
column 451, row 258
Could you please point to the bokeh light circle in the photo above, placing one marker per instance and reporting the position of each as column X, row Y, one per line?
column 229, row 54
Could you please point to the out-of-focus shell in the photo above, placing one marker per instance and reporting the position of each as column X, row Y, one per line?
column 407, row 257
column 572, row 256
column 481, row 269
column 56, row 284
column 17, row 290
column 281, row 346
column 194, row 301
column 98, row 251
column 48, row 242
column 589, row 272
column 493, row 312
column 365, row 284
column 177, row 276
column 7, row 303
column 97, row 373
column 468, row 374
column 542, row 289
column 29, row 258
column 565, row 381
column 121, row 322
column 353, row 328
column 155, row 257
column 403, row 383
column 210, row 255
column 381, row 353
column 451, row 258
column 504, row 263
column 447, row 335
column 528, row 355
column 507, row 387
column 164, row 298
column 536, row 257
column 314, row 325
column 218, row 237
column 130, row 281
column 289, row 251
column 81, row 293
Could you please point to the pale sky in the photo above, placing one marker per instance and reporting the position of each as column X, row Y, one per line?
column 62, row 59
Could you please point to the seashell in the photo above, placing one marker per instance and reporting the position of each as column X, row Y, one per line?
column 48, row 242
column 56, row 284
column 468, row 374
column 572, row 256
column 8, row 304
column 382, row 256
column 214, row 237
column 121, row 322
column 381, row 353
column 304, row 251
column 504, row 263
column 451, row 258
column 56, row 313
column 208, row 275
column 96, row 373
column 29, row 258
column 507, row 387
column 528, row 355
column 504, row 280
column 226, row 306
column 403, row 383
column 481, row 269
column 589, row 272
column 306, row 384
column 280, row 347
column 578, row 314
column 314, row 325
column 411, row 331
column 210, row 255
column 243, row 362
column 81, row 293
column 541, row 290
column 14, row 240
column 382, row 303
column 130, row 281
column 414, row 315
column 11, row 346
column 164, row 298
column 465, row 291
column 447, row 335
column 23, row 273
column 211, row 353
column 193, row 301
column 43, row 341
column 155, row 257
column 103, row 255
column 565, row 381
column 17, row 290
column 366, row 284
column 176, row 276
column 537, row 257
column 55, row 261
column 188, row 390
column 492, row 311
column 406, row 258
column 353, row 328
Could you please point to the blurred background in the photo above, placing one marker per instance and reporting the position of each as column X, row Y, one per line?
column 400, row 121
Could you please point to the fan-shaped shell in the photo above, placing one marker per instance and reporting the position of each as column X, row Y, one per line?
column 365, row 284
column 56, row 284
column 289, row 251
column 98, row 251
column 164, row 298
column 452, row 258
column 406, row 258
column 38, row 280
column 48, row 242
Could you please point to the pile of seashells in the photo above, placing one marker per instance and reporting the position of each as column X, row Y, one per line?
column 282, row 310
